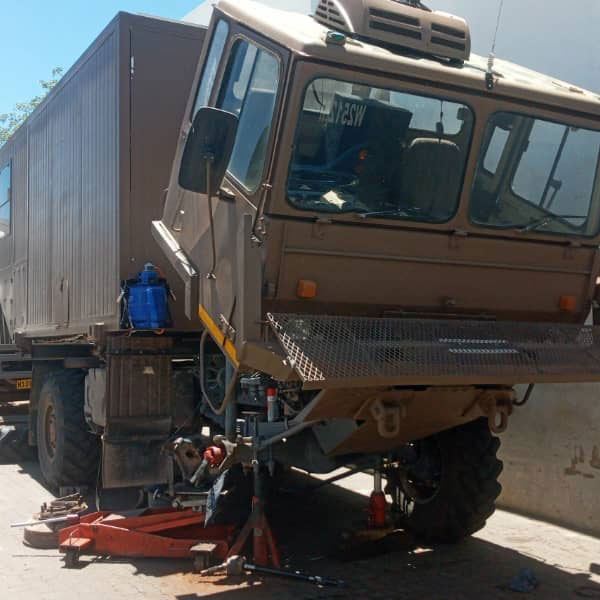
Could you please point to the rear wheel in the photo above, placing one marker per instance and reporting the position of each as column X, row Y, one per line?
column 445, row 487
column 67, row 451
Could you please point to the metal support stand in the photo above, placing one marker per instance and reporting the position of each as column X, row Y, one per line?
column 264, row 548
column 377, row 504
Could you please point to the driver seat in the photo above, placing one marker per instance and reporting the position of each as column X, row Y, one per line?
column 431, row 172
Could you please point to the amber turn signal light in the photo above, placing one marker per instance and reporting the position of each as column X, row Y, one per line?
column 306, row 289
column 568, row 303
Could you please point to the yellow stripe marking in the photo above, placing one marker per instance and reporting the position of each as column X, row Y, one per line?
column 218, row 336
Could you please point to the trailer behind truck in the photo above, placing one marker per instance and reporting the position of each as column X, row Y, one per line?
column 80, row 183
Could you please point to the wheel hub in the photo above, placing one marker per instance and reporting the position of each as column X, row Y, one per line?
column 416, row 477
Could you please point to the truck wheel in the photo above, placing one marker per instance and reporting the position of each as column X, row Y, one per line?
column 67, row 451
column 446, row 487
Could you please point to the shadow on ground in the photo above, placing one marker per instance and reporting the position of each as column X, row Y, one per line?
column 316, row 533
column 315, row 530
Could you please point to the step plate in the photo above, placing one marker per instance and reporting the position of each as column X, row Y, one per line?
column 332, row 352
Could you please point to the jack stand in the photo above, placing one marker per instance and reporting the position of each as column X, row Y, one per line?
column 377, row 504
column 264, row 549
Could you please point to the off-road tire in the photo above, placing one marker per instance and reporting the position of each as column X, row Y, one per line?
column 71, row 458
column 468, row 486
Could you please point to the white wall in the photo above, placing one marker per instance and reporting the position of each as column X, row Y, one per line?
column 552, row 36
column 551, row 454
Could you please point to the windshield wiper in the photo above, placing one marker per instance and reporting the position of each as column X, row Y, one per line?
column 541, row 222
column 399, row 213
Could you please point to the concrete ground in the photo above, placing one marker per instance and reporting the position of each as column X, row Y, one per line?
column 310, row 527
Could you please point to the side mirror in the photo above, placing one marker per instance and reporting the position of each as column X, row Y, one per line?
column 207, row 150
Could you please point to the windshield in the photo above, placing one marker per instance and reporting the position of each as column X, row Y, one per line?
column 537, row 175
column 379, row 153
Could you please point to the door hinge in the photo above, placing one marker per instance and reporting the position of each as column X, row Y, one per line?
column 226, row 328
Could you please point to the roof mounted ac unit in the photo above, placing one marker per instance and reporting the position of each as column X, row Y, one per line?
column 405, row 25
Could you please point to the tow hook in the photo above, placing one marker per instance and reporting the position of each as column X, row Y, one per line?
column 388, row 418
column 497, row 406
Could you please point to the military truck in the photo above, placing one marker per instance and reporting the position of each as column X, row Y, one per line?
column 373, row 235
column 383, row 234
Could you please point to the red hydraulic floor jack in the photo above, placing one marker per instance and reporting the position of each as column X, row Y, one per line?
column 153, row 533
column 171, row 533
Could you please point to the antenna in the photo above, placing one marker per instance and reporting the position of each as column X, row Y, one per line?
column 489, row 75
column 498, row 19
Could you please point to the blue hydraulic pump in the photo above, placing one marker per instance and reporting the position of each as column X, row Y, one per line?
column 145, row 301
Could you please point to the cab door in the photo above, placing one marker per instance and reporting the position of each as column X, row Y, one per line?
column 244, row 74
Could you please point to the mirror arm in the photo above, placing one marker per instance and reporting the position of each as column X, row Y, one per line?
column 209, row 158
column 258, row 229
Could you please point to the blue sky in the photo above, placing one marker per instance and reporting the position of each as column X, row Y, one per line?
column 38, row 35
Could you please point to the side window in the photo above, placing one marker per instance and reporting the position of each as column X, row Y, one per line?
column 495, row 149
column 536, row 163
column 5, row 184
column 211, row 66
column 558, row 169
column 249, row 90
column 551, row 168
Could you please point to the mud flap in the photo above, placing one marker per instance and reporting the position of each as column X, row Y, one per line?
column 138, row 411
column 132, row 453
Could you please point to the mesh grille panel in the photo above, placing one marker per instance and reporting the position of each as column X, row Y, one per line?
column 356, row 351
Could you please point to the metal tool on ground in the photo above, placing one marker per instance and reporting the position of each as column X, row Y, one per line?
column 59, row 510
column 42, row 530
column 237, row 565
column 51, row 521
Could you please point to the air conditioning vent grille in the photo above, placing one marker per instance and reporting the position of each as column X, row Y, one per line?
column 458, row 33
column 391, row 16
column 395, row 29
column 399, row 25
column 328, row 14
column 448, row 43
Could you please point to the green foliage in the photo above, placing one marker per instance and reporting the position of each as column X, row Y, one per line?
column 10, row 122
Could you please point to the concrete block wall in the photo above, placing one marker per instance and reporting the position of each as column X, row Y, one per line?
column 551, row 454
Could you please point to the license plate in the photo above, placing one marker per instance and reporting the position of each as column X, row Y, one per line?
column 23, row 384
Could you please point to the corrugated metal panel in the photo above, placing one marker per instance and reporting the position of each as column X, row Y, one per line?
column 6, row 290
column 79, row 226
column 98, row 279
column 73, row 152
column 154, row 140
column 39, row 305
column 13, row 249
column 19, row 278
column 19, row 196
